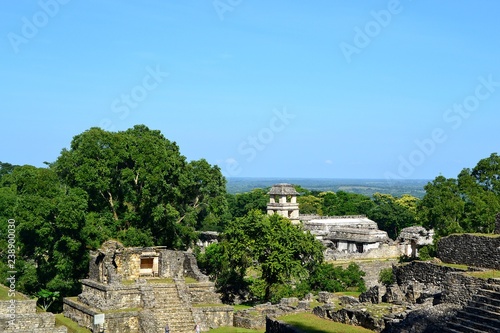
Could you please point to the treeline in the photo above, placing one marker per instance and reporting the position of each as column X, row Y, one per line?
column 468, row 203
column 391, row 213
column 136, row 187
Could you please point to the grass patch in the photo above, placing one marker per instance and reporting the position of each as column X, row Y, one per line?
column 239, row 307
column 457, row 266
column 165, row 280
column 191, row 280
column 209, row 305
column 313, row 324
column 4, row 295
column 489, row 274
column 231, row 329
column 128, row 282
column 348, row 293
column 71, row 325
column 479, row 234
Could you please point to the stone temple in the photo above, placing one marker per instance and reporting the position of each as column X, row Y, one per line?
column 140, row 290
column 346, row 237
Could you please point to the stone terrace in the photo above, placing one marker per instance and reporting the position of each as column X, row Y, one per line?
column 25, row 319
column 482, row 313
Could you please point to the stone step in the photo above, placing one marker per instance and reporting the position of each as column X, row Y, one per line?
column 489, row 293
column 456, row 327
column 492, row 286
column 478, row 326
column 481, row 311
column 494, row 281
column 183, row 318
column 489, row 320
column 484, row 306
column 486, row 300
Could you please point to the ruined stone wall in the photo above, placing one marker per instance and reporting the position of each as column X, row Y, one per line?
column 25, row 318
column 171, row 264
column 383, row 252
column 472, row 250
column 276, row 326
column 213, row 317
column 191, row 268
column 350, row 317
column 78, row 312
column 108, row 297
column 422, row 272
column 27, row 306
column 127, row 322
column 129, row 263
column 459, row 288
column 203, row 293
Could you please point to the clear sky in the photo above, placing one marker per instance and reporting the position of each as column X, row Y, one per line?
column 323, row 89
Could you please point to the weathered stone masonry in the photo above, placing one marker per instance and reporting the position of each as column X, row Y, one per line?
column 472, row 250
column 139, row 290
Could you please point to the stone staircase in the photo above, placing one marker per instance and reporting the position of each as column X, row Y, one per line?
column 172, row 306
column 482, row 313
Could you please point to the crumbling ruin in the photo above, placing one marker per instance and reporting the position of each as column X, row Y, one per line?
column 140, row 290
column 347, row 237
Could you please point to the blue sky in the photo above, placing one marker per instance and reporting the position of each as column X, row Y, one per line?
column 324, row 89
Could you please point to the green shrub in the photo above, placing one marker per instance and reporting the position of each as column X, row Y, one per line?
column 427, row 252
column 386, row 276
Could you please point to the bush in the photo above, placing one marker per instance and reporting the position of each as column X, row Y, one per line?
column 427, row 252
column 327, row 277
column 386, row 276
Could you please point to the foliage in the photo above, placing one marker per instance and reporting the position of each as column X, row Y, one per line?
column 427, row 252
column 468, row 203
column 47, row 297
column 283, row 253
column 345, row 203
column 310, row 204
column 308, row 322
column 242, row 203
column 138, row 180
column 134, row 186
column 50, row 249
column 393, row 214
column 327, row 277
column 386, row 276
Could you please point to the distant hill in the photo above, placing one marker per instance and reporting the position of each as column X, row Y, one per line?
column 368, row 187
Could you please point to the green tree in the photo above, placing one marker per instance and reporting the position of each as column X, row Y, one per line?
column 310, row 204
column 283, row 253
column 345, row 203
column 468, row 203
column 442, row 207
column 138, row 180
column 242, row 203
column 326, row 277
column 51, row 252
column 393, row 214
